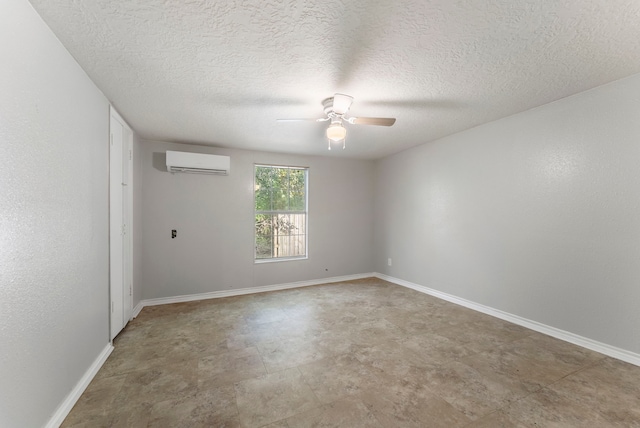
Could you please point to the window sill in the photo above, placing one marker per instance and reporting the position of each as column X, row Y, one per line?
column 281, row 259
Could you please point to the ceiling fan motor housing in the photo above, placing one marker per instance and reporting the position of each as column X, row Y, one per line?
column 327, row 104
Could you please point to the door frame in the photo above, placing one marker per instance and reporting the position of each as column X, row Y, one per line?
column 124, row 238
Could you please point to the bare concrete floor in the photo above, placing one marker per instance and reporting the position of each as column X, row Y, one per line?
column 363, row 353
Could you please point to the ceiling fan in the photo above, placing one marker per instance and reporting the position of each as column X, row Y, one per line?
column 335, row 109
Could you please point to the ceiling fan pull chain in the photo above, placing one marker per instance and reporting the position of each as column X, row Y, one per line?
column 344, row 144
column 329, row 143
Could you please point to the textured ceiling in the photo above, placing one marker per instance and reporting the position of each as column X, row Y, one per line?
column 221, row 72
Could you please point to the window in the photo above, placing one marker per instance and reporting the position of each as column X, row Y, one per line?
column 280, row 195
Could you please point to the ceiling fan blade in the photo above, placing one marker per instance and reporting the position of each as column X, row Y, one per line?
column 379, row 121
column 322, row 119
column 341, row 103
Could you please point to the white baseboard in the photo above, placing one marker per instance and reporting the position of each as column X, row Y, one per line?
column 242, row 291
column 585, row 342
column 137, row 309
column 603, row 348
column 65, row 407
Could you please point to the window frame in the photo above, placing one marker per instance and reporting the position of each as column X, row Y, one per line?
column 271, row 212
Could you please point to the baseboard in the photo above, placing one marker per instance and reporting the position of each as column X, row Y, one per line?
column 603, row 348
column 585, row 342
column 242, row 291
column 65, row 407
column 137, row 309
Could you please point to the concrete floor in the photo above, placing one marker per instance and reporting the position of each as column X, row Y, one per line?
column 363, row 353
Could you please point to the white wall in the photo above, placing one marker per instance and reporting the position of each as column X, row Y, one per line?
column 213, row 216
column 54, row 126
column 537, row 214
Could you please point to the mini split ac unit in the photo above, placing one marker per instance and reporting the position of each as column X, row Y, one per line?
column 198, row 163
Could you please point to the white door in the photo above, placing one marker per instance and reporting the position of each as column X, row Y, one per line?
column 127, row 212
column 119, row 219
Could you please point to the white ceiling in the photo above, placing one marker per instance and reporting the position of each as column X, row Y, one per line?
column 221, row 72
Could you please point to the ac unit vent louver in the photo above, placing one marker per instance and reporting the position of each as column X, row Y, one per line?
column 198, row 163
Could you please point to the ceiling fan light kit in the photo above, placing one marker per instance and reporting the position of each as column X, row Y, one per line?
column 335, row 109
column 336, row 132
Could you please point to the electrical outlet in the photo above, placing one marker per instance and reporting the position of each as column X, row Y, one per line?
column 389, row 261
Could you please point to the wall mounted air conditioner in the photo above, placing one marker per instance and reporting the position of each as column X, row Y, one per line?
column 198, row 163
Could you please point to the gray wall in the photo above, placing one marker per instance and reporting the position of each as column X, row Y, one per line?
column 536, row 214
column 54, row 127
column 213, row 216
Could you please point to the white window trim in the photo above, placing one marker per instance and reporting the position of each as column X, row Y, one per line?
column 306, row 197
